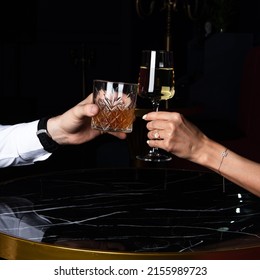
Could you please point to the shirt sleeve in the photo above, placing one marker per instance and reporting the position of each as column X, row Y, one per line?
column 19, row 145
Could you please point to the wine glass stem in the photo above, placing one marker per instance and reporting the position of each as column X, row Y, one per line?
column 156, row 104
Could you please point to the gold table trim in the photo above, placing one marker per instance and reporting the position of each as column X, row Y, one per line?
column 13, row 248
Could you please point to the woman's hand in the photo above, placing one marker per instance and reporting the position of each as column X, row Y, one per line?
column 173, row 133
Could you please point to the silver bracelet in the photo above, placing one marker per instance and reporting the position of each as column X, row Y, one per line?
column 223, row 155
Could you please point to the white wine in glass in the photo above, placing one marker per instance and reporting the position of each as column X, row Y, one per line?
column 156, row 82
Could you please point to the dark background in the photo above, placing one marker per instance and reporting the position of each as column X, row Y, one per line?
column 51, row 50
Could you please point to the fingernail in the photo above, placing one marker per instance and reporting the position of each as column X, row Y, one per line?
column 144, row 117
column 148, row 141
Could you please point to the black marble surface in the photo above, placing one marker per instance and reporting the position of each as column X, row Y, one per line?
column 133, row 210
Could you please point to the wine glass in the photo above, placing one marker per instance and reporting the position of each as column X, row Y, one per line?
column 156, row 82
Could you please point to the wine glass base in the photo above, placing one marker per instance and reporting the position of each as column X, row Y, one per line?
column 155, row 157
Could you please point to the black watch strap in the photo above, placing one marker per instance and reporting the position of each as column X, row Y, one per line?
column 47, row 142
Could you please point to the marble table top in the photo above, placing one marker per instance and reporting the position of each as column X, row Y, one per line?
column 131, row 210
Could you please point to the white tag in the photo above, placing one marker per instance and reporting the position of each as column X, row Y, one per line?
column 152, row 72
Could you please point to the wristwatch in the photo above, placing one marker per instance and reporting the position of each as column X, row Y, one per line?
column 47, row 142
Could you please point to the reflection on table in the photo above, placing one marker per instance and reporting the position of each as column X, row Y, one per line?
column 128, row 213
